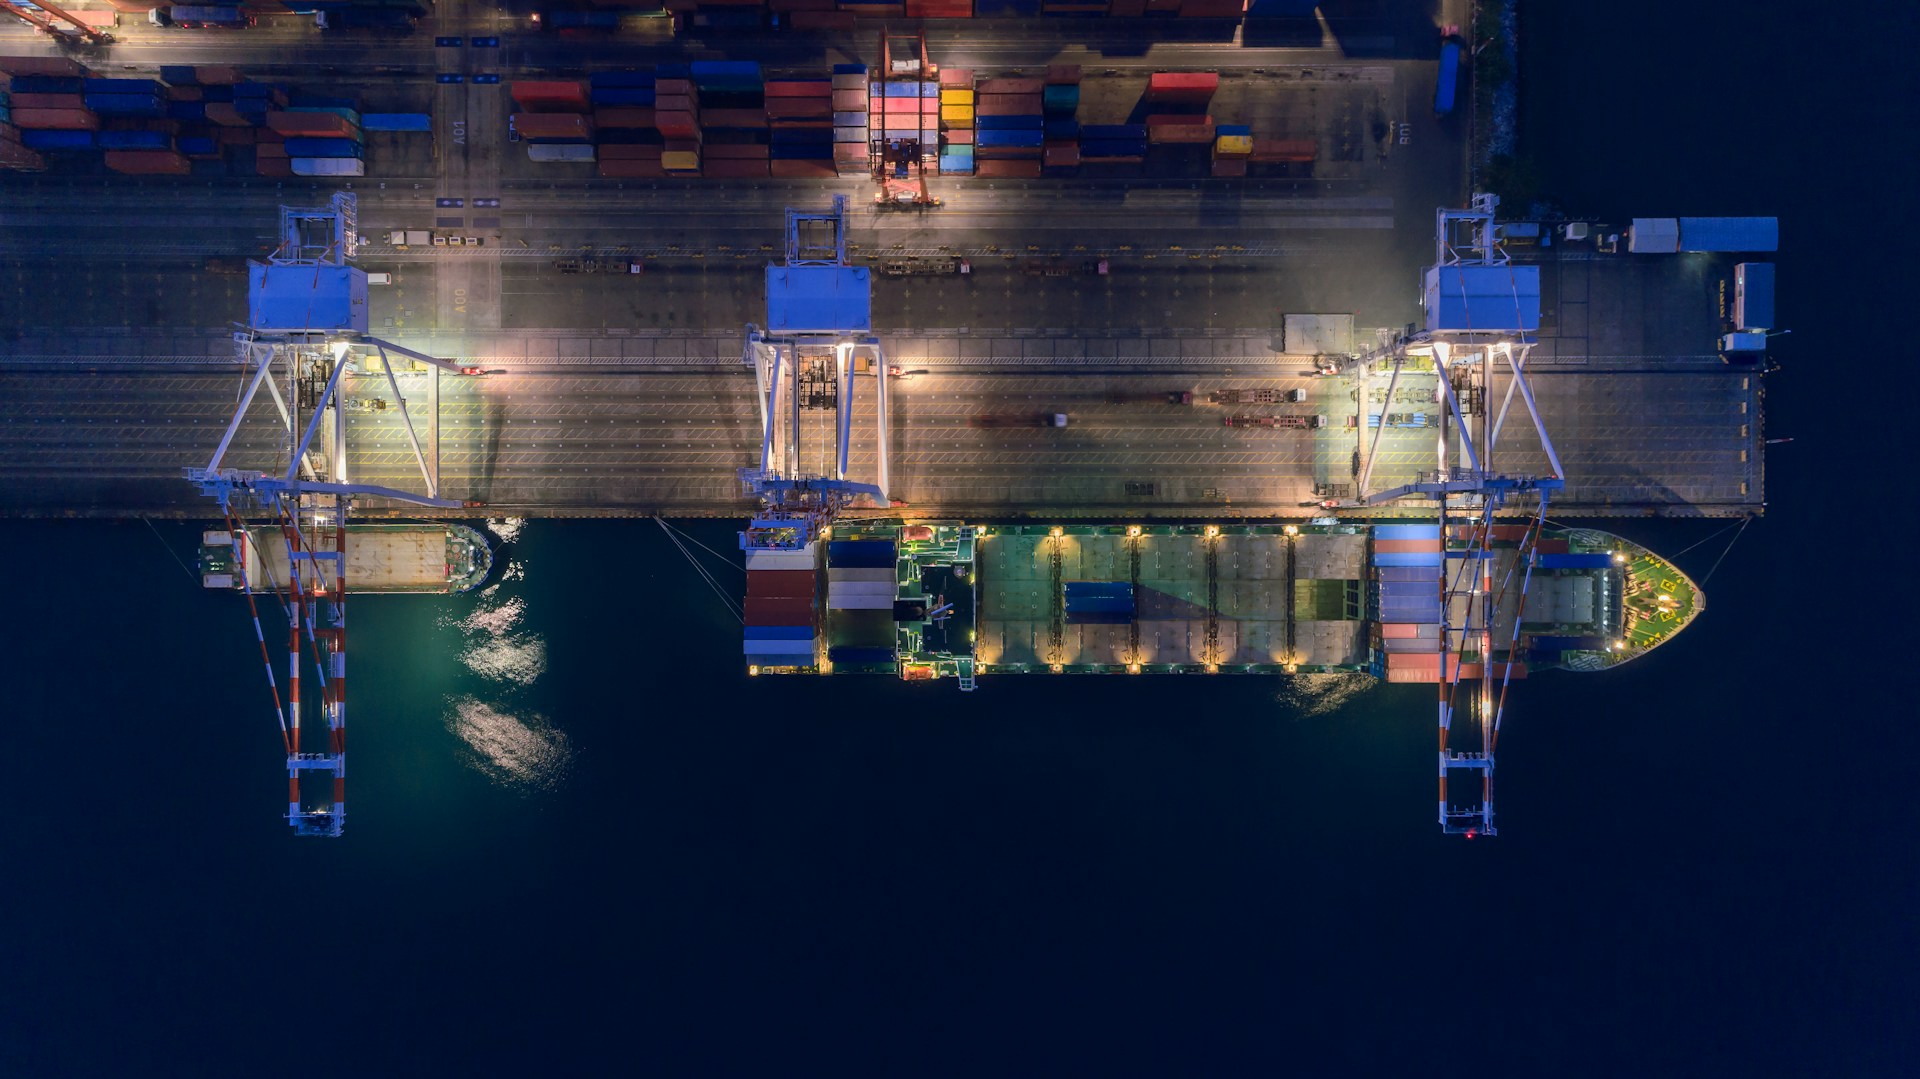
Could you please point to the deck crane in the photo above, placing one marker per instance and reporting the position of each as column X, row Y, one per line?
column 76, row 29
column 307, row 325
column 1481, row 310
column 899, row 143
column 818, row 339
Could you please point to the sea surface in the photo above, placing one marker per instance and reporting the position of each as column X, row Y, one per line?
column 581, row 841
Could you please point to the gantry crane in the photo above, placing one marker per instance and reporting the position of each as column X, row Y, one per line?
column 307, row 325
column 75, row 30
column 1481, row 312
column 819, row 337
column 899, row 146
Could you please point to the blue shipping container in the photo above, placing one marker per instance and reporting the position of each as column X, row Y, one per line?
column 1009, row 123
column 121, row 86
column 623, row 95
column 860, row 554
column 1114, row 131
column 610, row 79
column 126, row 104
column 953, row 164
column 1062, row 129
column 198, row 145
column 780, row 633
column 1407, row 532
column 1734, row 234
column 304, row 147
column 396, row 121
column 49, row 84
column 1034, row 139
column 1444, row 89
column 40, row 139
column 849, row 69
column 178, row 75
column 1408, row 575
column 709, row 68
column 135, row 140
column 186, row 110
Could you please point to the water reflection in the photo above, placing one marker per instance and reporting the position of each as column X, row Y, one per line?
column 1323, row 694
column 525, row 752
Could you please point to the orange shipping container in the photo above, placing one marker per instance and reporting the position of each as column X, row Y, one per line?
column 849, row 101
column 48, row 101
column 625, row 116
column 552, row 125
column 56, row 119
column 148, row 162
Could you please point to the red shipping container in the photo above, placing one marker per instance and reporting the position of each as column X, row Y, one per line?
column 1063, row 74
column 148, row 162
column 956, row 78
column 1062, row 154
column 1006, row 170
column 671, row 88
column 773, row 583
column 1181, row 85
column 808, row 108
column 673, row 102
column 735, row 152
column 874, row 11
column 1229, row 166
column 849, row 101
column 630, row 168
column 1007, row 105
column 56, row 119
column 552, row 125
column 1405, row 546
column 850, row 153
column 216, row 75
column 234, row 136
column 1163, row 7
column 185, row 93
column 273, row 166
column 224, row 114
column 17, row 158
column 1550, row 546
column 637, row 116
column 958, row 136
column 551, row 96
column 681, row 146
column 40, row 65
column 799, row 88
column 1126, row 9
column 618, row 151
column 48, row 101
column 779, row 612
column 733, row 169
column 813, row 169
column 315, row 124
column 1012, row 86
column 270, row 149
column 750, row 119
column 674, row 123
column 1285, row 149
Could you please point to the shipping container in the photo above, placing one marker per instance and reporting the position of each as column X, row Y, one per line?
column 1602, row 560
column 1406, row 531
column 148, row 162
column 780, row 582
column 312, row 147
column 1409, row 558
column 1401, row 546
column 1753, row 296
column 552, row 125
column 55, row 119
column 779, row 612
column 140, row 140
column 549, row 152
column 1446, row 86
column 1730, row 234
column 791, row 651
column 1654, row 236
column 55, row 139
column 327, row 166
column 396, row 121
column 1190, row 87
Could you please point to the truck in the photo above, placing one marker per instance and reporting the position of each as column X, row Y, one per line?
column 1753, row 296
column 1295, row 423
column 1255, row 397
column 201, row 17
column 1397, row 419
column 1064, row 267
column 1030, row 419
column 390, row 21
column 1447, row 87
column 924, row 266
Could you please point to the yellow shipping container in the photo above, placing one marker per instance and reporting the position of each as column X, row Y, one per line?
column 1233, row 144
column 956, row 97
column 680, row 160
column 956, row 114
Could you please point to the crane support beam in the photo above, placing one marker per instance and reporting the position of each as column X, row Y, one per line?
column 1366, row 468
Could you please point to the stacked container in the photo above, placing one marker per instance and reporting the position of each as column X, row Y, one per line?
column 552, row 117
column 1407, row 567
column 802, row 122
column 1232, row 147
column 51, row 113
column 860, row 575
column 124, row 97
column 1060, row 102
column 319, row 140
column 1177, row 103
column 942, row 9
column 627, row 137
column 1009, row 121
column 907, row 109
column 1284, row 152
column 676, row 113
column 850, row 119
column 779, row 608
column 957, row 133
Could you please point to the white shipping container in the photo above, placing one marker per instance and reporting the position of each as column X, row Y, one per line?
column 861, row 588
column 419, row 238
column 779, row 560
column 861, row 603
column 1654, row 236
column 544, row 151
column 327, row 166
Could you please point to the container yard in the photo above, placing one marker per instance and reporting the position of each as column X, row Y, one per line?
column 1154, row 376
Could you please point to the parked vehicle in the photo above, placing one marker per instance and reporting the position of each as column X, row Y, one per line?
column 1042, row 419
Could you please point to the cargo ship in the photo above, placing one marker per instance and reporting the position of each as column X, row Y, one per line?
column 1402, row 601
column 442, row 558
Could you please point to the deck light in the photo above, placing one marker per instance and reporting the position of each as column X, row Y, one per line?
column 1133, row 668
column 1213, row 531
column 1291, row 530
column 1133, row 531
column 1054, row 667
column 751, row 671
column 1056, row 532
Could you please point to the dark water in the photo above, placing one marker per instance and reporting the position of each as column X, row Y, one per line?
column 581, row 840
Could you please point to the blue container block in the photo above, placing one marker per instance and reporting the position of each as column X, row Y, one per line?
column 955, row 165
column 1114, row 131
column 1407, row 558
column 252, row 106
column 42, row 139
column 1113, row 147
column 186, row 110
column 194, row 144
column 178, row 75
column 1574, row 561
column 800, row 136
column 1061, row 99
column 623, row 95
column 1407, row 532
column 1009, row 123
column 1033, row 139
column 136, row 140
column 207, row 93
column 252, row 89
column 849, row 119
column 673, row 71
column 611, row 79
column 126, row 104
column 901, row 89
column 49, row 84
column 1408, row 575
column 799, row 152
column 396, row 121
column 1233, row 129
column 304, row 147
column 930, row 89
column 1479, row 554
column 860, row 554
column 780, row 633
column 1062, row 129
column 121, row 86
column 849, row 69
